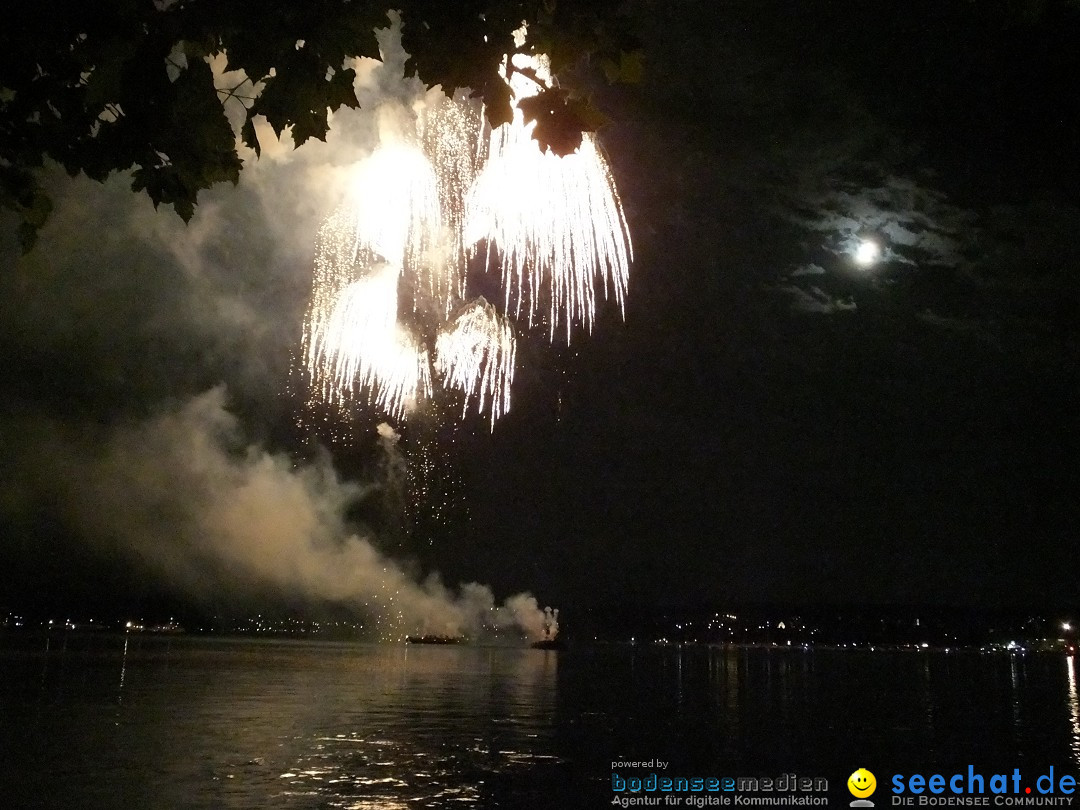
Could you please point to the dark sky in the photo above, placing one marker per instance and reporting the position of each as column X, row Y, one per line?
column 770, row 422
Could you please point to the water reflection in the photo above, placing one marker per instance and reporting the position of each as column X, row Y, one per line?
column 1015, row 676
column 212, row 725
column 487, row 713
column 731, row 693
column 927, row 698
column 1074, row 709
column 123, row 670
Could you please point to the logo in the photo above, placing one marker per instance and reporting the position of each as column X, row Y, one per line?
column 862, row 784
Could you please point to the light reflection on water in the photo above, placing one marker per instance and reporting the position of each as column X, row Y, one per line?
column 204, row 723
column 482, row 712
column 237, row 724
column 1074, row 708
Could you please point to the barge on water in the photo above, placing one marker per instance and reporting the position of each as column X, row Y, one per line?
column 432, row 639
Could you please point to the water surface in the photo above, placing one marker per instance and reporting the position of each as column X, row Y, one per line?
column 169, row 722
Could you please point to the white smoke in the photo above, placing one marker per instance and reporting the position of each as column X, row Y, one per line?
column 387, row 433
column 182, row 495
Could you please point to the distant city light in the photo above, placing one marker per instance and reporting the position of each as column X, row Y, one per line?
column 1066, row 626
column 867, row 253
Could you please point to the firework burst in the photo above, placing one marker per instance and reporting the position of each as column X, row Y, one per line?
column 558, row 230
column 556, row 222
column 389, row 313
column 449, row 134
column 475, row 354
column 360, row 348
column 393, row 207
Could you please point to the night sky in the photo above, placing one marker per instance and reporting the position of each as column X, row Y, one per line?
column 771, row 422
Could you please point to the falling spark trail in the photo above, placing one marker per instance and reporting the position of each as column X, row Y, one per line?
column 556, row 222
column 449, row 132
column 354, row 344
column 360, row 347
column 394, row 205
column 475, row 353
column 558, row 229
column 420, row 207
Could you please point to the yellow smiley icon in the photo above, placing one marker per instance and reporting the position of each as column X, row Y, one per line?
column 861, row 783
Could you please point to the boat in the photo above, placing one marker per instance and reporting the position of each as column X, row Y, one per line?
column 551, row 640
column 548, row 644
column 433, row 639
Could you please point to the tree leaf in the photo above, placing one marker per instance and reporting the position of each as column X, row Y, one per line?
column 63, row 64
column 629, row 69
column 497, row 104
column 249, row 137
column 309, row 125
column 560, row 119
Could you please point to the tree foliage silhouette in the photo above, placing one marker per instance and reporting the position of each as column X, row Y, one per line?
column 126, row 85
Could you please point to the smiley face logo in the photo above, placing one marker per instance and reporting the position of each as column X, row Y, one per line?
column 861, row 783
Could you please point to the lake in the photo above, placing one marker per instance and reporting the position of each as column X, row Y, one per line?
column 137, row 721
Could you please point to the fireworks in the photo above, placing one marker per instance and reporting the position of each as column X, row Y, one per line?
column 448, row 132
column 393, row 208
column 555, row 221
column 361, row 348
column 475, row 354
column 558, row 229
column 390, row 264
column 354, row 342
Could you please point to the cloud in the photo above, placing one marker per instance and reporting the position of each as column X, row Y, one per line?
column 815, row 300
column 915, row 222
column 951, row 324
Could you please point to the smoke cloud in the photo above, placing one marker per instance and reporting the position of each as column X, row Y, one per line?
column 181, row 494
